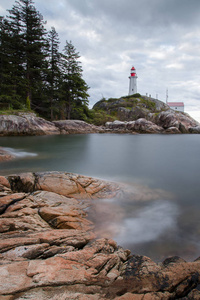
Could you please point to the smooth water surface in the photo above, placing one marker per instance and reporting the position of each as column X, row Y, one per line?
column 162, row 170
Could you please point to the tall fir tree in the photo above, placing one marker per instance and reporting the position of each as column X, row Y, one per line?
column 54, row 72
column 10, row 63
column 33, row 72
column 74, row 89
column 32, row 45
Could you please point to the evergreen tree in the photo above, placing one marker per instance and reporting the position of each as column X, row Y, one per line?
column 32, row 44
column 54, row 70
column 10, row 64
column 74, row 89
column 32, row 71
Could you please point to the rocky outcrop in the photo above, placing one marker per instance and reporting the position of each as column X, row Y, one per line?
column 136, row 111
column 30, row 124
column 139, row 126
column 26, row 124
column 131, row 108
column 171, row 119
column 48, row 248
column 76, row 126
column 195, row 129
column 164, row 122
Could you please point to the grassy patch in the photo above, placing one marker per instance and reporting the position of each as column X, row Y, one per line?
column 14, row 111
column 100, row 117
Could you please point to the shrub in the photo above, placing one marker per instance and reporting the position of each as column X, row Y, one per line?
column 100, row 117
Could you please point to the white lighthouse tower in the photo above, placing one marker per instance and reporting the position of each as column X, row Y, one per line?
column 133, row 82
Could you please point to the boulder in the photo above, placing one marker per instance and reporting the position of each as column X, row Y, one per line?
column 195, row 129
column 75, row 126
column 49, row 249
column 116, row 125
column 172, row 130
column 26, row 124
column 141, row 126
column 170, row 119
column 144, row 126
column 30, row 124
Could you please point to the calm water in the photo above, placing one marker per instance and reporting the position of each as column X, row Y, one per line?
column 162, row 170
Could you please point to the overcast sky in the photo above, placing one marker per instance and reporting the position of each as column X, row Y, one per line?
column 160, row 38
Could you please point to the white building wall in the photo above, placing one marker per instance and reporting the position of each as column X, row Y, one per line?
column 177, row 108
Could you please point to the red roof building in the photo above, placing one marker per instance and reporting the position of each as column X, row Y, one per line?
column 179, row 106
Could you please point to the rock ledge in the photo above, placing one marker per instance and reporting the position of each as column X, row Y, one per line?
column 48, row 248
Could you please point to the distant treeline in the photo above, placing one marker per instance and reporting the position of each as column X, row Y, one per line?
column 34, row 74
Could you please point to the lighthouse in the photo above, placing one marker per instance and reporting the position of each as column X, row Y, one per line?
column 133, row 82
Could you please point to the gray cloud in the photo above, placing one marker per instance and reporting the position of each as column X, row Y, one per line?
column 160, row 38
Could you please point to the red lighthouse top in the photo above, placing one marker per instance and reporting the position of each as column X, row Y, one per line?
column 133, row 72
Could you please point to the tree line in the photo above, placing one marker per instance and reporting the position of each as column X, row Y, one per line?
column 34, row 74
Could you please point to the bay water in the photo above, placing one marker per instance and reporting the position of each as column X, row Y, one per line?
column 163, row 171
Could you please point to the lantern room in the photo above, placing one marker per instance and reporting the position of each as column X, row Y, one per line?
column 133, row 72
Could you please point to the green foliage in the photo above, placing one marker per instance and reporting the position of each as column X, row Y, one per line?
column 148, row 104
column 100, row 117
column 111, row 100
column 54, row 71
column 12, row 111
column 28, row 103
column 137, row 95
column 33, row 72
column 73, row 87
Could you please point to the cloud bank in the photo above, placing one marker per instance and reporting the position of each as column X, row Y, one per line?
column 160, row 38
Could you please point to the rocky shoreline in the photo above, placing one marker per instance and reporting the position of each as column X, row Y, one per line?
column 49, row 248
column 169, row 122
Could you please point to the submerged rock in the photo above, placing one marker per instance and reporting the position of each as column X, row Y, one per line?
column 49, row 250
column 4, row 155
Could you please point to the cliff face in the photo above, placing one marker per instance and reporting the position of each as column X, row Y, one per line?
column 49, row 250
column 146, row 115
